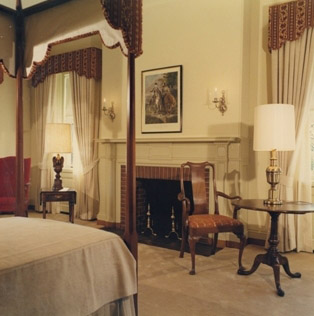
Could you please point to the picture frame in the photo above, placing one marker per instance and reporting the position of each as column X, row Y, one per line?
column 162, row 100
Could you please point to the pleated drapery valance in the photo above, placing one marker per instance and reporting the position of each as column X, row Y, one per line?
column 288, row 21
column 85, row 62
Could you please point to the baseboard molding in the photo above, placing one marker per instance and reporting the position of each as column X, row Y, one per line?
column 108, row 224
column 256, row 241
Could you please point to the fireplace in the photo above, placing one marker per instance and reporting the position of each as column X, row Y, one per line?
column 157, row 207
column 158, row 158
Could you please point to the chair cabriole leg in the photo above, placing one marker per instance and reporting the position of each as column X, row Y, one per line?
column 183, row 241
column 241, row 249
column 192, row 243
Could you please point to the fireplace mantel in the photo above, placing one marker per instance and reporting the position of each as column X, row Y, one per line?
column 225, row 152
column 173, row 140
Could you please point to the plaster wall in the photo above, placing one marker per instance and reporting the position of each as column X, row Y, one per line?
column 8, row 118
column 207, row 40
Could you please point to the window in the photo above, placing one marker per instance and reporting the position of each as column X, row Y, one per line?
column 61, row 111
column 68, row 114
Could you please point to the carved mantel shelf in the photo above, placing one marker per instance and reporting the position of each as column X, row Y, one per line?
column 174, row 140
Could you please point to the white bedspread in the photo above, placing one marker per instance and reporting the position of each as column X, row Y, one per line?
column 55, row 268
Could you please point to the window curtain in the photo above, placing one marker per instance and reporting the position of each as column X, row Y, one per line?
column 86, row 114
column 44, row 95
column 55, row 114
column 292, row 68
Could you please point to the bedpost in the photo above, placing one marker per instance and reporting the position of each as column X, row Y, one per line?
column 130, row 233
column 19, row 62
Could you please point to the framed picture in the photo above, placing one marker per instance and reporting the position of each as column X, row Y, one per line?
column 162, row 100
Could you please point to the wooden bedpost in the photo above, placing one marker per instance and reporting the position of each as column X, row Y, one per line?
column 130, row 233
column 19, row 62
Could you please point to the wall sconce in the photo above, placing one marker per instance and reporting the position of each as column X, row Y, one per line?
column 220, row 103
column 109, row 111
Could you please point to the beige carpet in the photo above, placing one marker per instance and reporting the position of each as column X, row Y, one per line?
column 166, row 288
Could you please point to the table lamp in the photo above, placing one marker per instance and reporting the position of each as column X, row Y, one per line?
column 274, row 130
column 58, row 140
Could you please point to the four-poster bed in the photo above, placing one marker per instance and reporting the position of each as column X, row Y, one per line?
column 36, row 30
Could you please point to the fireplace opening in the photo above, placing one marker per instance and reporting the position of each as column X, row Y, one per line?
column 159, row 211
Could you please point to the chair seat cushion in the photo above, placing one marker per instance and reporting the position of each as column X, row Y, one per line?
column 203, row 224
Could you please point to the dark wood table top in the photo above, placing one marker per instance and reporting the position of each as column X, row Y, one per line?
column 49, row 190
column 287, row 207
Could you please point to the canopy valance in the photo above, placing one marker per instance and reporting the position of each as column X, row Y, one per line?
column 288, row 21
column 70, row 21
column 129, row 20
column 85, row 62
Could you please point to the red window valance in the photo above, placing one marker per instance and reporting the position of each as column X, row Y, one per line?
column 288, row 21
column 86, row 62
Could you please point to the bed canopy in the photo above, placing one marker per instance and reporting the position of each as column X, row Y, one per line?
column 30, row 28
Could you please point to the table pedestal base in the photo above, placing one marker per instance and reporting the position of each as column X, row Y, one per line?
column 272, row 257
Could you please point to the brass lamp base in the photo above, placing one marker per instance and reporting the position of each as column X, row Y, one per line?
column 57, row 167
column 273, row 201
column 273, row 178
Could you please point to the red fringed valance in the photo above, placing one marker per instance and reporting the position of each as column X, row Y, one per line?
column 288, row 21
column 126, row 15
column 86, row 62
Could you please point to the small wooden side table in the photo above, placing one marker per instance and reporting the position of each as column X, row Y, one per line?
column 272, row 257
column 47, row 195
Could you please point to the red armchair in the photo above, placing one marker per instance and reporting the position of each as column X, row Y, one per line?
column 8, row 184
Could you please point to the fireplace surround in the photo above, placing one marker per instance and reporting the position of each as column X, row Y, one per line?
column 160, row 159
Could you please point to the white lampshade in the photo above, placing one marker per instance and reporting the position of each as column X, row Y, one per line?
column 274, row 127
column 58, row 138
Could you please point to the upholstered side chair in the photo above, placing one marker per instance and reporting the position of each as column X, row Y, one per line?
column 197, row 222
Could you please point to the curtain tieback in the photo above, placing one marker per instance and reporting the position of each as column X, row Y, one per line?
column 90, row 167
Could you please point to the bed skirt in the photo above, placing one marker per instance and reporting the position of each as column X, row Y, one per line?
column 121, row 307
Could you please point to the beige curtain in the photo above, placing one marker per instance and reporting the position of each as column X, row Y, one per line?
column 55, row 114
column 291, row 73
column 86, row 113
column 43, row 99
